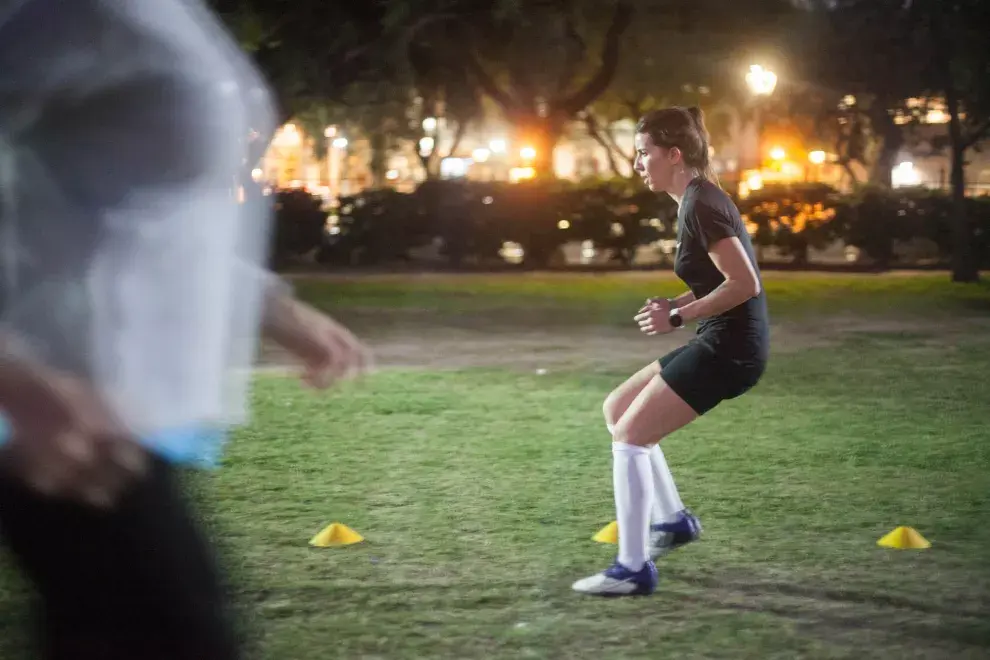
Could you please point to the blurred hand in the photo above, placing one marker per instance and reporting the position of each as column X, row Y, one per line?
column 664, row 304
column 654, row 317
column 65, row 442
column 329, row 351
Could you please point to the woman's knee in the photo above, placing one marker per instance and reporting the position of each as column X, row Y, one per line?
column 628, row 433
column 653, row 417
column 619, row 400
column 612, row 409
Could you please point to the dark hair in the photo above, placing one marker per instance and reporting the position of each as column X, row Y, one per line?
column 683, row 128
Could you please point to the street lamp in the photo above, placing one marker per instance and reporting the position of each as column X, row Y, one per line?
column 337, row 143
column 761, row 81
column 817, row 158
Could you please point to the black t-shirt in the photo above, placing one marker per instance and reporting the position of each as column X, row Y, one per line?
column 705, row 216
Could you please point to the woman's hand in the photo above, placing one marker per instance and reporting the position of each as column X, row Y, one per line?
column 654, row 317
column 329, row 351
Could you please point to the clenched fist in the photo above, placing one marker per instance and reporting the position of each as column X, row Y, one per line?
column 654, row 317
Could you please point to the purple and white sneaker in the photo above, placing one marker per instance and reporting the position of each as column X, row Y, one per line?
column 667, row 537
column 617, row 580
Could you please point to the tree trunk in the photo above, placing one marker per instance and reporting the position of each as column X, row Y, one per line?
column 542, row 131
column 964, row 265
column 542, row 135
column 379, row 159
column 892, row 139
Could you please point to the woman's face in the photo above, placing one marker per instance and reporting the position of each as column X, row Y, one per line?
column 655, row 164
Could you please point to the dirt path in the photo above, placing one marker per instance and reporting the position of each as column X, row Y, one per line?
column 419, row 344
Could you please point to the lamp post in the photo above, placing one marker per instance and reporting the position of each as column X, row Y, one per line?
column 817, row 158
column 761, row 82
column 335, row 145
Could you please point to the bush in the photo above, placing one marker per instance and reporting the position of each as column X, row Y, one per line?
column 299, row 224
column 881, row 222
column 471, row 221
column 376, row 226
column 792, row 218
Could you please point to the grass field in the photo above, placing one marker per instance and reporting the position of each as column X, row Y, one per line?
column 479, row 483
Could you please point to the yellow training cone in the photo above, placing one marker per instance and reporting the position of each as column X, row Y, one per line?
column 335, row 535
column 608, row 534
column 904, row 538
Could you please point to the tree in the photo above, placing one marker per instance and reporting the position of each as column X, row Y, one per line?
column 893, row 56
column 860, row 66
column 310, row 51
column 686, row 54
column 645, row 81
column 533, row 61
column 445, row 92
column 960, row 66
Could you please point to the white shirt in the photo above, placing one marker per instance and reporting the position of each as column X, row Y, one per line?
column 124, row 255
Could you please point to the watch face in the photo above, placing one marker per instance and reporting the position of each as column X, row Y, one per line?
column 675, row 320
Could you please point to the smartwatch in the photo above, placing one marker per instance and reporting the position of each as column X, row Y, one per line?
column 676, row 320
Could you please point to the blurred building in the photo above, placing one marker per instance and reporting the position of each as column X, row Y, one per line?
column 745, row 155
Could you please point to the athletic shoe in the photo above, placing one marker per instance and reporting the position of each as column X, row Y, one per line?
column 617, row 580
column 667, row 537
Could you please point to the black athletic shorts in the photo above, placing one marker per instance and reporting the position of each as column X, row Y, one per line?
column 703, row 378
column 136, row 583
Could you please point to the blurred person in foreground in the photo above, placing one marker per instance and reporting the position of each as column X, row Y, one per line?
column 726, row 358
column 132, row 293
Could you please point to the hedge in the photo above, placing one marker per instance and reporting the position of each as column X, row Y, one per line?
column 472, row 220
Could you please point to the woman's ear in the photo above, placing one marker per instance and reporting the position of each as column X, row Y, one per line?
column 674, row 153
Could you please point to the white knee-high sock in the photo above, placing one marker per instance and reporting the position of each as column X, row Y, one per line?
column 632, row 481
column 666, row 500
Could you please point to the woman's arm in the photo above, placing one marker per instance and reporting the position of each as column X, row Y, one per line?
column 741, row 282
column 681, row 300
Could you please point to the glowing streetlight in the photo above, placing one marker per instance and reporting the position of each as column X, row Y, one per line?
column 527, row 153
column 480, row 155
column 905, row 175
column 340, row 143
column 430, row 124
column 817, row 157
column 754, row 181
column 761, row 81
column 778, row 153
column 498, row 146
column 288, row 136
column 517, row 174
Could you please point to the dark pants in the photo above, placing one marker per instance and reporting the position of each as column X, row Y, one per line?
column 138, row 582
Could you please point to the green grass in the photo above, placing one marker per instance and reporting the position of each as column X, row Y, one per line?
column 478, row 491
column 542, row 299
